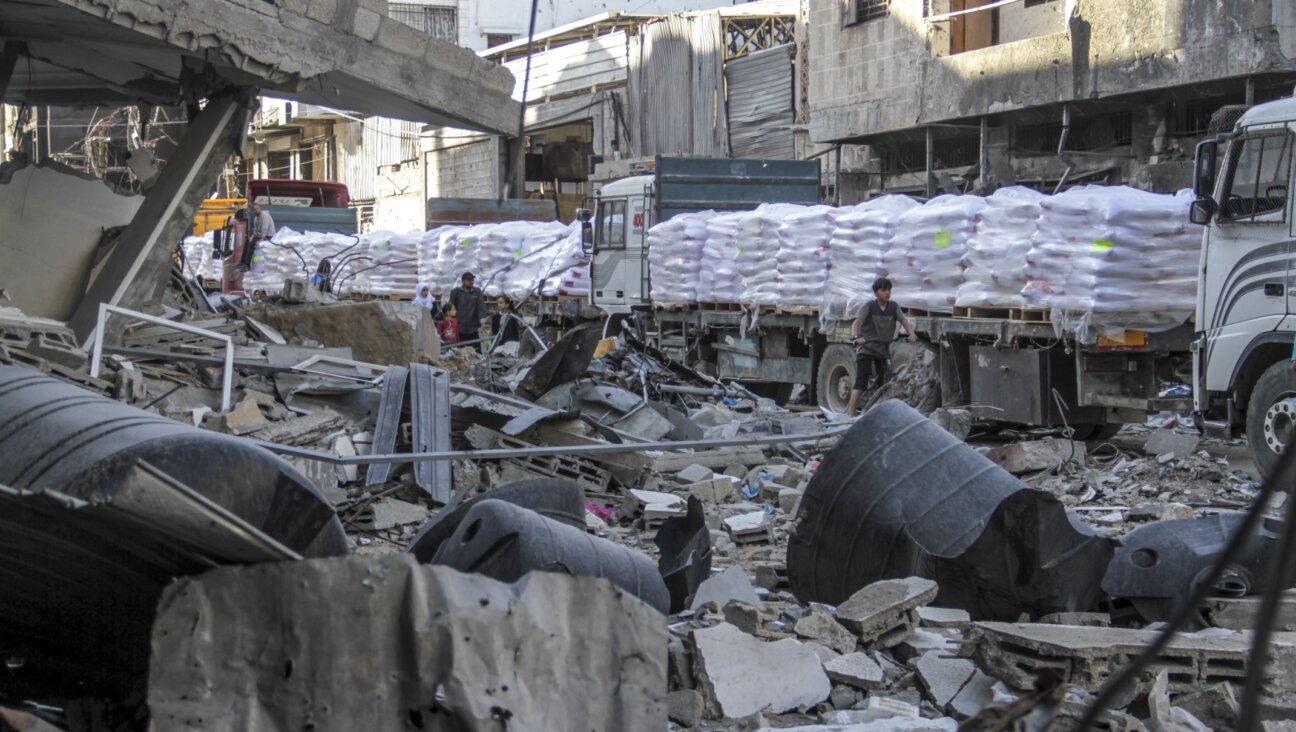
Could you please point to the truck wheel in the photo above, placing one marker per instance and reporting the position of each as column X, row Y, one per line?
column 1271, row 416
column 835, row 378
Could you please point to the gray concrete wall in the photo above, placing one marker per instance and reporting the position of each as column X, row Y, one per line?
column 889, row 74
column 52, row 222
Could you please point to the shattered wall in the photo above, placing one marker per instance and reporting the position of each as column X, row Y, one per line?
column 52, row 223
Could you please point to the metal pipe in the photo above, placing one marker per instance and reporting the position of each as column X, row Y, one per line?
column 545, row 451
column 96, row 355
column 983, row 158
column 931, row 163
column 1062, row 143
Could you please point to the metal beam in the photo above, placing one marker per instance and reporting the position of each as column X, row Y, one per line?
column 8, row 59
column 136, row 271
column 499, row 454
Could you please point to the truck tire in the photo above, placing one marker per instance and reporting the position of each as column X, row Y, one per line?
column 836, row 377
column 1271, row 416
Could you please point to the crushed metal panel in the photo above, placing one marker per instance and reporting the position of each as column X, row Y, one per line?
column 388, row 423
column 685, row 560
column 81, row 579
column 430, row 413
column 429, row 647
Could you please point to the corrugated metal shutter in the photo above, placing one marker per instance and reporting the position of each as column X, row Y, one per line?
column 364, row 146
column 760, row 104
column 677, row 87
column 575, row 68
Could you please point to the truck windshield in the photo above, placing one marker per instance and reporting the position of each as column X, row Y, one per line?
column 611, row 225
column 1259, row 175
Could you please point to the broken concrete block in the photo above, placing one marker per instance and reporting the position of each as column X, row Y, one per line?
column 1093, row 620
column 845, row 697
column 244, row 418
column 1035, row 455
column 881, row 707
column 748, row 528
column 1216, row 705
column 1180, row 444
column 855, row 669
column 695, row 474
column 943, row 678
column 657, row 506
column 957, row 422
column 747, row 618
column 943, row 617
column 976, row 694
column 685, row 707
column 1165, row 718
column 390, row 513
column 433, row 641
column 788, row 499
column 883, row 611
column 729, row 586
column 344, row 447
column 819, row 625
column 740, row 675
column 713, row 490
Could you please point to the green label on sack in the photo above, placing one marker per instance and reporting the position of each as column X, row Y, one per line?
column 739, row 250
column 942, row 240
column 517, row 253
column 465, row 243
column 1101, row 245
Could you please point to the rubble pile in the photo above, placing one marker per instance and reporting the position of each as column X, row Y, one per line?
column 733, row 564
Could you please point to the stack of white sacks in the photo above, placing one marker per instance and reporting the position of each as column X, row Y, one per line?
column 925, row 259
column 395, row 262
column 720, row 280
column 285, row 255
column 675, row 257
column 198, row 258
column 804, row 253
column 758, row 246
column 531, row 253
column 1125, row 257
column 861, row 237
column 995, row 263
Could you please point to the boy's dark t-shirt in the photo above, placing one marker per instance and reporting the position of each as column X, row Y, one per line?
column 878, row 328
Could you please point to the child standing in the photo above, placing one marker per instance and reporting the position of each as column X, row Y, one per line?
column 448, row 327
column 872, row 333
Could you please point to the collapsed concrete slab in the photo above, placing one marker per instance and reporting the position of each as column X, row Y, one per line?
column 731, row 585
column 883, row 613
column 741, row 675
column 383, row 643
column 1035, row 455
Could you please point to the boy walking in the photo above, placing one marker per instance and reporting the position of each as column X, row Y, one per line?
column 872, row 333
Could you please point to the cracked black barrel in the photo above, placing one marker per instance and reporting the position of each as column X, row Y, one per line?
column 54, row 435
column 899, row 496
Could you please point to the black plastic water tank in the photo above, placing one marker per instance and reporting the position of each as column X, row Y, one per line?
column 57, row 436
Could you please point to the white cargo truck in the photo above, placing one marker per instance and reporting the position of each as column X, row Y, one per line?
column 1246, row 300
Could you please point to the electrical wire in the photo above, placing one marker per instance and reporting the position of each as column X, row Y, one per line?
column 515, row 164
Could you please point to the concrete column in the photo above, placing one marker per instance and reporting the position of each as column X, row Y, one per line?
column 137, row 270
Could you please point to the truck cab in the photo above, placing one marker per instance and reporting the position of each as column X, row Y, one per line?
column 619, row 254
column 1246, row 301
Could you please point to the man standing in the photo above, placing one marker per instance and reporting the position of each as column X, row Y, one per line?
column 471, row 306
column 259, row 227
column 872, row 333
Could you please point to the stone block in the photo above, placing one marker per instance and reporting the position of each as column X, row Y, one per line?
column 695, row 474
column 789, row 499
column 367, row 23
column 245, row 418
column 1036, row 455
column 957, row 422
column 943, row 678
column 820, row 625
column 855, row 669
column 943, row 617
column 322, row 10
column 685, row 707
column 740, row 675
column 883, row 613
column 712, row 490
column 1180, row 444
column 729, row 586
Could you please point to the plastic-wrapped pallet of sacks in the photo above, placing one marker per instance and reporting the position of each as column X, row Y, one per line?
column 803, row 256
column 995, row 263
column 197, row 255
column 394, row 262
column 573, row 282
column 757, row 251
column 925, row 259
column 719, row 280
column 531, row 251
column 459, row 250
column 1114, row 258
column 675, row 257
column 861, row 236
column 275, row 261
column 429, row 256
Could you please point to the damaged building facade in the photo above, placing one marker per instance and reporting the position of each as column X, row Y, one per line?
column 940, row 95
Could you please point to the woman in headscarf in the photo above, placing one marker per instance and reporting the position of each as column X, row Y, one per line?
column 423, row 297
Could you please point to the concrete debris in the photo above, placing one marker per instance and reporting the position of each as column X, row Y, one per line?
column 855, row 669
column 957, row 422
column 694, row 474
column 1035, row 455
column 881, row 707
column 943, row 678
column 438, row 646
column 1216, row 706
column 1165, row 718
column 685, row 707
column 244, row 418
column 819, row 625
column 713, row 490
column 789, row 499
column 1178, row 444
column 731, row 585
column 883, row 613
column 943, row 617
column 740, row 675
column 390, row 513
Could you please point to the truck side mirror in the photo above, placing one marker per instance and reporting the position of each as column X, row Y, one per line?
column 1201, row 211
column 584, row 216
column 1204, row 169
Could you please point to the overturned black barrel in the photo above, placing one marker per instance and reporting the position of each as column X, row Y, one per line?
column 505, row 542
column 57, row 436
column 899, row 496
column 557, row 498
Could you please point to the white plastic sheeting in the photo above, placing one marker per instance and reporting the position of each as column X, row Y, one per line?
column 995, row 264
column 861, row 237
column 925, row 259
